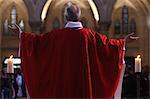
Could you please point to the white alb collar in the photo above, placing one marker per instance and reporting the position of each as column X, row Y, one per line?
column 74, row 25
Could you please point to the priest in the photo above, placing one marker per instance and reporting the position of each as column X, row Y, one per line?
column 72, row 62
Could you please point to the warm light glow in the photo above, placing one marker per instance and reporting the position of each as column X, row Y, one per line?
column 138, row 56
column 0, row 1
column 94, row 9
column 15, row 60
column 45, row 9
column 119, row 3
column 11, row 57
column 131, row 4
column 18, row 66
column 138, row 64
column 91, row 3
column 10, row 68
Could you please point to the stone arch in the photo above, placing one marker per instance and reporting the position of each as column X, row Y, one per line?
column 5, row 9
column 58, row 7
column 11, row 46
column 99, row 4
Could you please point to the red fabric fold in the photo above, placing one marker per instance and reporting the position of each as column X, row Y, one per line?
column 70, row 63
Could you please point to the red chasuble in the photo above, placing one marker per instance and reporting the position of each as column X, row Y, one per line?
column 71, row 63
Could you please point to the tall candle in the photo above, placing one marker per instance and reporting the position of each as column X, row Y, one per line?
column 10, row 68
column 138, row 64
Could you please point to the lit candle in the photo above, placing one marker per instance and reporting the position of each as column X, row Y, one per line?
column 10, row 68
column 138, row 64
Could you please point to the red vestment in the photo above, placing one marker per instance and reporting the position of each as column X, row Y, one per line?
column 69, row 63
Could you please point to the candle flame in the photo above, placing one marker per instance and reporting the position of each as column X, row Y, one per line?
column 11, row 57
column 138, row 56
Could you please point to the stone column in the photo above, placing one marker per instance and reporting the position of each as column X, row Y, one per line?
column 105, row 8
column 36, row 26
column 103, row 27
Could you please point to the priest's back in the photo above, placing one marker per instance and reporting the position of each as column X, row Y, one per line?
column 71, row 63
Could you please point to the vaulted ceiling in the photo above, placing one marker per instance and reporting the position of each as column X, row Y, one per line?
column 105, row 7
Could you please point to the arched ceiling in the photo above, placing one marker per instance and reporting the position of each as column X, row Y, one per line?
column 105, row 7
column 140, row 7
column 54, row 9
column 35, row 9
column 137, row 5
column 61, row 3
column 6, row 6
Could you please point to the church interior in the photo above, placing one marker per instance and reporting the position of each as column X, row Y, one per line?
column 112, row 18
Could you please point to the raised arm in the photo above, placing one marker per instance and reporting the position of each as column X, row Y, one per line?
column 117, row 42
column 29, row 40
column 130, row 37
column 16, row 29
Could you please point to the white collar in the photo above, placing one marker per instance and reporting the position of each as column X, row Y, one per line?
column 74, row 25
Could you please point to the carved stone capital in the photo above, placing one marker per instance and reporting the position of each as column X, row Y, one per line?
column 104, row 26
column 35, row 26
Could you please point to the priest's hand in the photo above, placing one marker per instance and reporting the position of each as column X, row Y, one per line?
column 130, row 37
column 15, row 28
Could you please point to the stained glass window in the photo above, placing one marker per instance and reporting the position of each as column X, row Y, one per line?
column 117, row 28
column 125, row 17
column 133, row 25
column 13, row 15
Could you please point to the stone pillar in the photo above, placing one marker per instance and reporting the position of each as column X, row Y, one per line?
column 103, row 27
column 36, row 26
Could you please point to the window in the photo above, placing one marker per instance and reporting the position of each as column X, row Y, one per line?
column 125, row 19
column 117, row 28
column 133, row 25
column 5, row 27
column 13, row 15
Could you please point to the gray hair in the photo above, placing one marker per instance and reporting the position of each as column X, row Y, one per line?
column 72, row 12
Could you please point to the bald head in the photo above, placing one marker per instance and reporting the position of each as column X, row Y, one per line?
column 72, row 12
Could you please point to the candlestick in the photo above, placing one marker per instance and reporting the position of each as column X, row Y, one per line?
column 10, row 68
column 138, row 64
